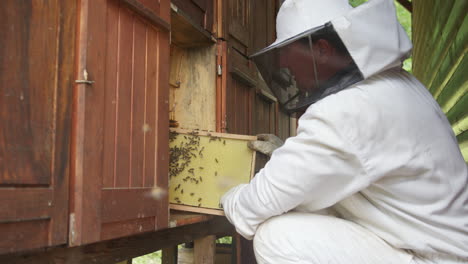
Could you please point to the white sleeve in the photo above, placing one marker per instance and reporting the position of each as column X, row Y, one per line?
column 317, row 168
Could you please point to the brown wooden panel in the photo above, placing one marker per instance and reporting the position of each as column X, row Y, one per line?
column 123, row 52
column 27, row 100
column 126, row 228
column 263, row 24
column 200, row 12
column 36, row 76
column 23, row 204
column 239, row 93
column 162, row 133
column 239, row 21
column 126, row 204
column 110, row 104
column 138, row 103
column 124, row 101
column 23, row 235
column 151, row 117
column 284, row 125
column 113, row 251
column 152, row 5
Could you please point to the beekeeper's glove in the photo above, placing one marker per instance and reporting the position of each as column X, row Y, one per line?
column 266, row 144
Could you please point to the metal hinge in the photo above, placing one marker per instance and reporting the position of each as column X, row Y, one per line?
column 220, row 70
column 85, row 80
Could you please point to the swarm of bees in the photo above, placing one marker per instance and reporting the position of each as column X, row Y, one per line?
column 181, row 156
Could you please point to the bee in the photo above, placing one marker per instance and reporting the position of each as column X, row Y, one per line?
column 216, row 160
column 182, row 191
column 192, row 194
column 201, row 179
column 199, row 204
column 199, row 199
column 201, row 168
column 224, row 142
column 216, row 173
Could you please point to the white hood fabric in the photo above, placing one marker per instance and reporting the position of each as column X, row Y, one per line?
column 380, row 152
column 371, row 32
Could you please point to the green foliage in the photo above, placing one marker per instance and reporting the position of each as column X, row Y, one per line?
column 152, row 258
column 224, row 240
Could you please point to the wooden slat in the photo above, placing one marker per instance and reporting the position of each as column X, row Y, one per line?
column 127, row 228
column 194, row 209
column 180, row 218
column 61, row 161
column 23, row 204
column 204, row 250
column 152, row 50
column 162, row 146
column 27, row 99
column 110, row 252
column 110, row 95
column 138, row 105
column 159, row 20
column 23, row 235
column 125, row 88
column 111, row 82
column 127, row 204
column 170, row 255
column 87, row 136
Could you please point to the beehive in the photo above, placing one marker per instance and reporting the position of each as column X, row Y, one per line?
column 204, row 165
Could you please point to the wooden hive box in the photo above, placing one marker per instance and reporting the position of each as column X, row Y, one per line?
column 204, row 166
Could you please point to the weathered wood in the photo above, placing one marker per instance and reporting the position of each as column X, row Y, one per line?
column 18, row 204
column 204, row 250
column 36, row 76
column 127, row 228
column 180, row 218
column 24, row 235
column 195, row 209
column 170, row 255
column 126, row 204
column 221, row 86
column 124, row 53
column 186, row 33
column 110, row 252
column 156, row 14
column 193, row 102
column 198, row 11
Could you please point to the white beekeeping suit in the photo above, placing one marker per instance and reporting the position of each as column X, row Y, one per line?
column 372, row 145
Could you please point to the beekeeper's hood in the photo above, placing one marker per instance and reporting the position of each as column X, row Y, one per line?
column 323, row 47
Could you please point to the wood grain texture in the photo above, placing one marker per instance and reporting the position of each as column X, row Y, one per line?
column 110, row 252
column 29, row 88
column 20, row 204
column 127, row 228
column 123, row 53
column 127, row 204
column 36, row 76
column 194, row 102
column 23, row 235
column 204, row 250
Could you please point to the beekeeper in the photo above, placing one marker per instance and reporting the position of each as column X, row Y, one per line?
column 372, row 145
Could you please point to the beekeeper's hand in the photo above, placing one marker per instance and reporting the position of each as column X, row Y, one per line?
column 266, row 144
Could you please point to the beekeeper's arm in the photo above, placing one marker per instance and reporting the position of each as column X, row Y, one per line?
column 318, row 167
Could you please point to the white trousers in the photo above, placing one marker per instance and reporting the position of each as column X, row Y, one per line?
column 318, row 239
